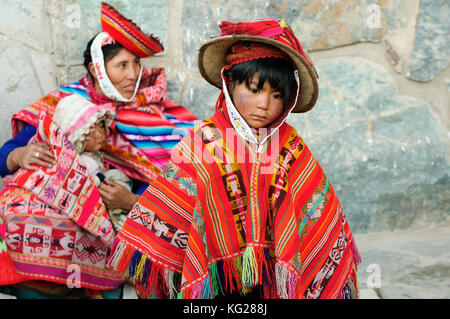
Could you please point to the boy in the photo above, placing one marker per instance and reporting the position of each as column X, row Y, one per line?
column 243, row 208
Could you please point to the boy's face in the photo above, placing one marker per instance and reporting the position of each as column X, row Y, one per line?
column 258, row 107
column 96, row 138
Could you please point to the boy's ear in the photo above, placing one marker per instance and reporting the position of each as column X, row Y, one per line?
column 92, row 70
column 230, row 87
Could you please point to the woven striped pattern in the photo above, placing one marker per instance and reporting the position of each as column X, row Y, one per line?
column 222, row 218
column 128, row 33
column 145, row 130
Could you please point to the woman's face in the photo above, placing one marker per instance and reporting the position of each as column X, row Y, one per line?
column 258, row 107
column 96, row 138
column 123, row 72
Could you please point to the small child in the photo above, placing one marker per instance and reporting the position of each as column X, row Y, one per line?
column 86, row 126
column 243, row 209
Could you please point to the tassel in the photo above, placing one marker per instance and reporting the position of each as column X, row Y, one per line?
column 287, row 282
column 207, row 292
column 215, row 279
column 251, row 28
column 250, row 275
column 197, row 289
column 134, row 261
column 120, row 256
column 170, row 282
column 232, row 270
column 139, row 270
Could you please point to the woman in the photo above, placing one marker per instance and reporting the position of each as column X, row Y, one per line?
column 146, row 127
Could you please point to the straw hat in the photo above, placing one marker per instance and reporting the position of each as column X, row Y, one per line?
column 212, row 55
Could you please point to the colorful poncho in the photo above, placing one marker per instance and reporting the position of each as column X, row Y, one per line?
column 145, row 130
column 229, row 215
column 56, row 227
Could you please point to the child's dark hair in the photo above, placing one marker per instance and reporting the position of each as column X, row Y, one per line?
column 109, row 52
column 279, row 73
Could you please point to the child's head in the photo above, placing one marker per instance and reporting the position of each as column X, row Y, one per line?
column 85, row 124
column 266, row 42
column 262, row 89
column 96, row 136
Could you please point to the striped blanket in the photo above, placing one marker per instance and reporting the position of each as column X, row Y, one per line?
column 223, row 218
column 145, row 130
column 56, row 227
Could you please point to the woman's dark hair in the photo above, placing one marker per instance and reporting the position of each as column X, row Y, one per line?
column 109, row 52
column 279, row 73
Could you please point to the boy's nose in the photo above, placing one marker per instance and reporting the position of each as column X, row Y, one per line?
column 264, row 101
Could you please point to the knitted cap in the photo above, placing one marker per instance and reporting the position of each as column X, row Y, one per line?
column 75, row 116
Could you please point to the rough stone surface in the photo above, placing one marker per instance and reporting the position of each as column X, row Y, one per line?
column 431, row 52
column 25, row 66
column 326, row 24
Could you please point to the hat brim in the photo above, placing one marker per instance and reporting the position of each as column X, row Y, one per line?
column 212, row 58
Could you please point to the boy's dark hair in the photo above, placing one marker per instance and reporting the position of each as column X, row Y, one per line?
column 279, row 73
column 109, row 52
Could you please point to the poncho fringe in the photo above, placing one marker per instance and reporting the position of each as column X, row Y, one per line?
column 239, row 272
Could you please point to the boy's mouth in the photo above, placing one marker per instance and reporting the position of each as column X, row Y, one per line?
column 257, row 117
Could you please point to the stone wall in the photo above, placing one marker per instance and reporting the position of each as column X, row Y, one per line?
column 381, row 126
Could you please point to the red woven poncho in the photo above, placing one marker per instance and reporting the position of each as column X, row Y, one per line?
column 227, row 217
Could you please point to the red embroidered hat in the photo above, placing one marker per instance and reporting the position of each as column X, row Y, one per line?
column 127, row 33
column 226, row 50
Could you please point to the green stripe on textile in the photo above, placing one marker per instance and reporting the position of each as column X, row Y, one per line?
column 314, row 207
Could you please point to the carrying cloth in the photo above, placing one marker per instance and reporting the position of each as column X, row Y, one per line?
column 145, row 129
column 228, row 218
column 56, row 225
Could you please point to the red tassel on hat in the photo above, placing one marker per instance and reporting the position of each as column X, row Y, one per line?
column 250, row 28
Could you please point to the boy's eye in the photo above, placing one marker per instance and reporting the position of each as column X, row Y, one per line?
column 254, row 90
column 277, row 96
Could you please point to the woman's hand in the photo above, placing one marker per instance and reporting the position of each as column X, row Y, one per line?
column 115, row 195
column 29, row 156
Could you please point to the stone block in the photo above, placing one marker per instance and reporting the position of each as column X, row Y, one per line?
column 19, row 83
column 431, row 53
column 26, row 22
